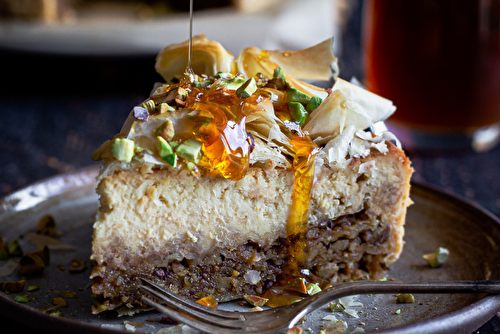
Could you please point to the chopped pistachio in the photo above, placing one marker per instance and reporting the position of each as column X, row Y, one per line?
column 398, row 311
column 68, row 294
column 336, row 307
column 206, row 83
column 166, row 130
column 177, row 93
column 278, row 73
column 59, row 302
column 150, row 107
column 164, row 108
column 405, row 298
column 77, row 265
column 201, row 116
column 33, row 288
column 123, row 149
column 255, row 300
column 235, row 83
column 312, row 289
column 16, row 286
column 383, row 279
column 161, row 90
column 298, row 112
column 295, row 95
column 437, row 259
column 298, row 284
column 190, row 150
column 313, row 103
column 47, row 226
column 52, row 310
column 31, row 264
column 13, row 248
column 224, row 75
column 166, row 152
column 247, row 89
column 22, row 299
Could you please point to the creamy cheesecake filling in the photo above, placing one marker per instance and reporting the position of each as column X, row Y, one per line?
column 194, row 246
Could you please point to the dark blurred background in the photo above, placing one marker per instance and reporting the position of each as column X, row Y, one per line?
column 56, row 109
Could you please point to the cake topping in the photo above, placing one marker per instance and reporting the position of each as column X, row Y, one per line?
column 227, row 100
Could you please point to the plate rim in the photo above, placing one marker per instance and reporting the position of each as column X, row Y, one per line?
column 478, row 312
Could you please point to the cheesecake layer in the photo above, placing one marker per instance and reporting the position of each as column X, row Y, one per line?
column 211, row 236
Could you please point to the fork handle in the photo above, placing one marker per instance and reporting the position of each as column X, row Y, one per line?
column 369, row 287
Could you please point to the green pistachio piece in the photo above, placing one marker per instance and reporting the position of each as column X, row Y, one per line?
column 298, row 284
column 13, row 248
column 336, row 307
column 405, row 298
column 224, row 75
column 312, row 289
column 77, row 265
column 123, row 149
column 247, row 89
column 166, row 151
column 278, row 73
column 203, row 83
column 171, row 159
column 47, row 226
column 255, row 300
column 234, row 83
column 33, row 288
column 149, row 105
column 201, row 116
column 164, row 108
column 313, row 103
column 166, row 130
column 176, row 93
column 22, row 299
column 298, row 112
column 190, row 150
column 31, row 264
column 295, row 95
column 437, row 259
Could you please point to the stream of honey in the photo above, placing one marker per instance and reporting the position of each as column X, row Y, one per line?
column 220, row 125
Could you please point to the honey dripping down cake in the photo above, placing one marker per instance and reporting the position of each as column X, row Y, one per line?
column 243, row 178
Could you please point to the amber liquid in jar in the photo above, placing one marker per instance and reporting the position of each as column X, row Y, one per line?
column 437, row 60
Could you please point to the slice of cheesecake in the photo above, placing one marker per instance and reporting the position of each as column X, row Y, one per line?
column 227, row 184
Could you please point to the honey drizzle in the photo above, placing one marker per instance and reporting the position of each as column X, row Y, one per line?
column 226, row 148
column 188, row 72
column 304, row 167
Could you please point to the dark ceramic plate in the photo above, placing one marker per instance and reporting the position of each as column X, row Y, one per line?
column 436, row 219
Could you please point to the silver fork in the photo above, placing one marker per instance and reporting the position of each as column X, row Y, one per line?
column 273, row 320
